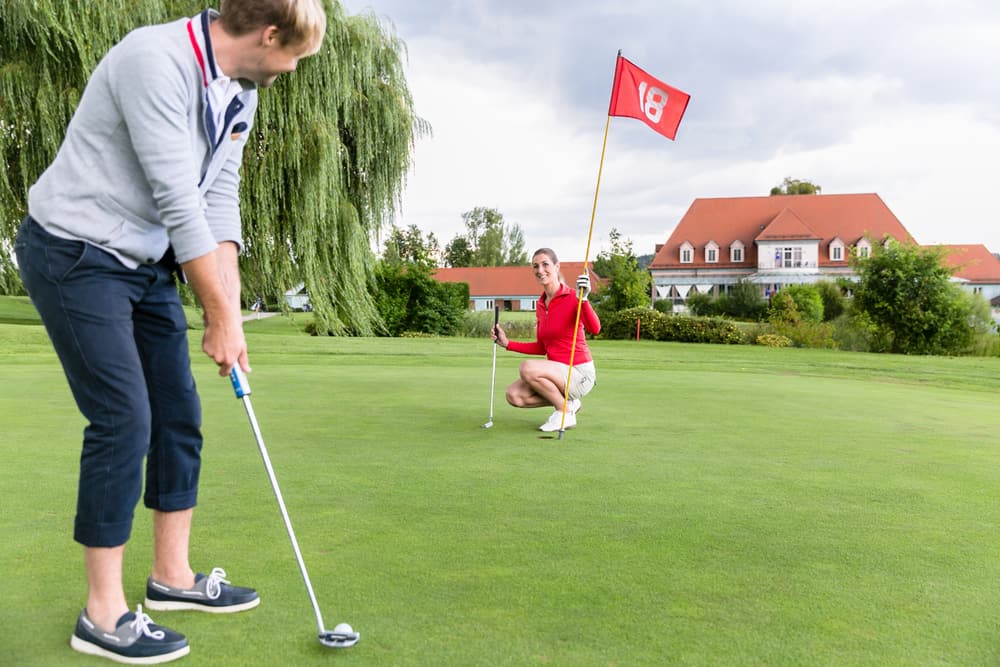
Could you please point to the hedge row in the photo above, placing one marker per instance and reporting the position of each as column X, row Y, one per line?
column 655, row 325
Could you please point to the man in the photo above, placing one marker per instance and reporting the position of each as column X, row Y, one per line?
column 146, row 185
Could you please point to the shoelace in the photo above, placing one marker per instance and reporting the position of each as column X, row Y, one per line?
column 213, row 586
column 141, row 625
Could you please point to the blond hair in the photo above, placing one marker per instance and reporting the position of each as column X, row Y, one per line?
column 298, row 21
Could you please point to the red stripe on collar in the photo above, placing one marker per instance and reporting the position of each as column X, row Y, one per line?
column 198, row 54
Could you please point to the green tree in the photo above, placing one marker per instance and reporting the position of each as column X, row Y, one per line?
column 905, row 293
column 745, row 301
column 407, row 296
column 807, row 300
column 410, row 246
column 783, row 309
column 410, row 300
column 322, row 175
column 793, row 186
column 833, row 300
column 487, row 241
column 458, row 252
column 628, row 284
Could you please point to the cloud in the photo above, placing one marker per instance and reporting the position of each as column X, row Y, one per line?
column 885, row 96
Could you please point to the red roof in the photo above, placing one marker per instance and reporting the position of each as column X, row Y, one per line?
column 787, row 225
column 506, row 281
column 973, row 263
column 793, row 217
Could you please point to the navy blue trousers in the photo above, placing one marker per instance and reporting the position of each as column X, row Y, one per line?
column 121, row 337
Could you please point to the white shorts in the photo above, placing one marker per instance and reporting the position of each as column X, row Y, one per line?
column 582, row 380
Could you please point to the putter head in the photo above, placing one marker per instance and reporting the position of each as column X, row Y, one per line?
column 333, row 639
column 488, row 424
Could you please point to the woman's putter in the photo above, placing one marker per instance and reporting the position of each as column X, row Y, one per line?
column 493, row 379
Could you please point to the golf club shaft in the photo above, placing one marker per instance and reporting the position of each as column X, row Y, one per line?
column 242, row 388
column 493, row 379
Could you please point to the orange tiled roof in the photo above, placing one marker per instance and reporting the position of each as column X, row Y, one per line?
column 793, row 217
column 973, row 263
column 506, row 281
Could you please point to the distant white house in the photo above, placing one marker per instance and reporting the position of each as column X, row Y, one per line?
column 297, row 298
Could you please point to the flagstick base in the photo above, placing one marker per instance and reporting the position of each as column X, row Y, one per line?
column 561, row 434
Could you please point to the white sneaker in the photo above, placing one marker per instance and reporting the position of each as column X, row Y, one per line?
column 555, row 420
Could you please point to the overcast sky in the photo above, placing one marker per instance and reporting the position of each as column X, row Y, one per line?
column 900, row 98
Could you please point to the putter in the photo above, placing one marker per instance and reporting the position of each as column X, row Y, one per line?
column 336, row 638
column 493, row 379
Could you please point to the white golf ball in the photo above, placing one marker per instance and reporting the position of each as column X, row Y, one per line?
column 343, row 629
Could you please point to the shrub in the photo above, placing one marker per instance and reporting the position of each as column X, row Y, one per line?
column 621, row 325
column 699, row 330
column 745, row 302
column 807, row 301
column 832, row 296
column 773, row 340
column 782, row 308
column 676, row 328
column 852, row 334
column 805, row 333
column 702, row 305
column 665, row 306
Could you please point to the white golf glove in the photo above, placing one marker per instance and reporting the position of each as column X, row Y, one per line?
column 583, row 283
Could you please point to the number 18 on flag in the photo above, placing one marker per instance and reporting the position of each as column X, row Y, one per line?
column 636, row 94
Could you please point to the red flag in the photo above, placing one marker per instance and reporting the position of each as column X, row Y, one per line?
column 636, row 94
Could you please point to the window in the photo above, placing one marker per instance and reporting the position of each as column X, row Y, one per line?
column 736, row 254
column 788, row 258
column 687, row 253
column 837, row 253
column 864, row 251
column 711, row 255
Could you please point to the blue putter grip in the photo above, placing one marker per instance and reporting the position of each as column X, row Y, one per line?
column 240, row 383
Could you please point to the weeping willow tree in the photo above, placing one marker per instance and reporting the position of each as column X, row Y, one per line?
column 322, row 176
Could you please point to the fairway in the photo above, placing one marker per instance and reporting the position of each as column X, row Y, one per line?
column 716, row 505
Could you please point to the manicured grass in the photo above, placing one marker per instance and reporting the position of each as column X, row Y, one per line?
column 716, row 506
column 17, row 310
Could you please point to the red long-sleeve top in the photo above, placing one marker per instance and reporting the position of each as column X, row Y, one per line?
column 554, row 330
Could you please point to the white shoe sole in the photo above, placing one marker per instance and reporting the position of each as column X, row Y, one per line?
column 176, row 605
column 83, row 646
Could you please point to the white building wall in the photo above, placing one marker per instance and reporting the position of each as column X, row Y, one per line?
column 766, row 251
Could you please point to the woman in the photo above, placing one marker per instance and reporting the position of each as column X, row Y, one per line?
column 543, row 382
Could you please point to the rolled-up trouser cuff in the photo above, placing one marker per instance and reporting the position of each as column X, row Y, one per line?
column 171, row 502
column 102, row 534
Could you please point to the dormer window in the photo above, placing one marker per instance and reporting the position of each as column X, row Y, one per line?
column 687, row 253
column 837, row 250
column 712, row 252
column 736, row 252
column 864, row 249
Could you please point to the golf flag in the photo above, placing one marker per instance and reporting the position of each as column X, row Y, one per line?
column 635, row 94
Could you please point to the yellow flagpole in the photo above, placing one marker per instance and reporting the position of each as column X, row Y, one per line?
column 579, row 294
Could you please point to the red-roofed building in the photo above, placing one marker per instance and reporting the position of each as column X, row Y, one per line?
column 772, row 241
column 510, row 287
column 976, row 269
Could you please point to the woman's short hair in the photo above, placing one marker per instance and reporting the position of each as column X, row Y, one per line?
column 297, row 21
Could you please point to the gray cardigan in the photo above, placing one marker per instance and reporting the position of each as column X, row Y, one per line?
column 136, row 171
